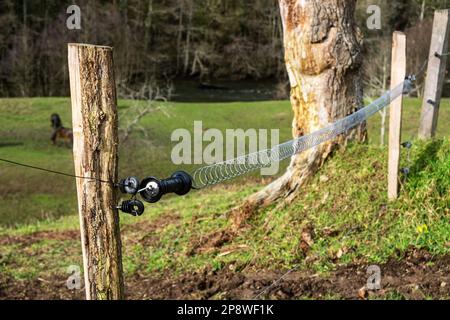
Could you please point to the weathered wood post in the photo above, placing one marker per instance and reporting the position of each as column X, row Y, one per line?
column 398, row 74
column 434, row 83
column 95, row 129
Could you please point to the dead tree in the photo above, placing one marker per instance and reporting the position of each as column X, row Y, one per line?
column 322, row 55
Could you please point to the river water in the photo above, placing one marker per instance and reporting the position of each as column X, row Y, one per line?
column 224, row 91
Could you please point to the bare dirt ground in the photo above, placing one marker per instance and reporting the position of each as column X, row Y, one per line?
column 39, row 236
column 417, row 275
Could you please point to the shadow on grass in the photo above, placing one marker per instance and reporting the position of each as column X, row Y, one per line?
column 426, row 157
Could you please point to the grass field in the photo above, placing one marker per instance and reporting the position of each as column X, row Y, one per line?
column 29, row 196
column 175, row 244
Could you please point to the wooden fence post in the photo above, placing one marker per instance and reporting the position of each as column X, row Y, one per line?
column 435, row 74
column 95, row 129
column 398, row 74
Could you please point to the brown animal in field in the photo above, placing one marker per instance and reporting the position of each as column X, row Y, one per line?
column 59, row 132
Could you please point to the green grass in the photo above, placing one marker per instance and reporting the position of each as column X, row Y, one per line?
column 348, row 212
column 345, row 204
column 28, row 196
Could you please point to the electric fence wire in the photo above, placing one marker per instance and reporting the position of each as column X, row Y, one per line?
column 55, row 172
column 425, row 62
column 222, row 171
column 219, row 172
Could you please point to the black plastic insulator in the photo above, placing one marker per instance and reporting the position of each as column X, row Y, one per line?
column 408, row 84
column 153, row 189
column 405, row 171
column 133, row 207
column 129, row 185
column 407, row 145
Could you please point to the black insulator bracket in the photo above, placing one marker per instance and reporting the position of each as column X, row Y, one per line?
column 133, row 207
column 408, row 86
column 407, row 144
column 152, row 189
column 405, row 171
column 129, row 185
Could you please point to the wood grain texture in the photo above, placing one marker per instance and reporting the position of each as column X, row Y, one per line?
column 398, row 74
column 95, row 129
column 435, row 75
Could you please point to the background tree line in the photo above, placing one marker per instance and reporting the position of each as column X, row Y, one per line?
column 158, row 41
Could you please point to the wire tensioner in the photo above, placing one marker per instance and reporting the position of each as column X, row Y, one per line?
column 152, row 190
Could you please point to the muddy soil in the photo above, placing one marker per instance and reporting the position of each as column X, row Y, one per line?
column 417, row 275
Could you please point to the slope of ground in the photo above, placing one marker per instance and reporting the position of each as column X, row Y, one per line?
column 319, row 247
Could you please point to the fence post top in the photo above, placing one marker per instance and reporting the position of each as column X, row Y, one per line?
column 442, row 11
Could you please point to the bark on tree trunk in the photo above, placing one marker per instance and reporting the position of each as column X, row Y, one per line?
column 322, row 55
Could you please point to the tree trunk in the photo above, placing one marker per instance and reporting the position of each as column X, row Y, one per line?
column 180, row 34
column 322, row 55
column 188, row 37
column 422, row 11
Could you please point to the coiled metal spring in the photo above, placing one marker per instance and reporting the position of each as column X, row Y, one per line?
column 222, row 171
